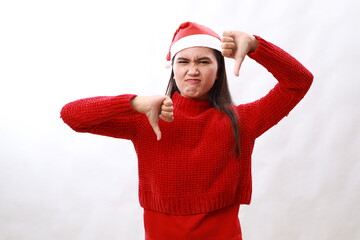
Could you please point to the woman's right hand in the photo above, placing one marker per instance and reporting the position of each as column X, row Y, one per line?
column 155, row 108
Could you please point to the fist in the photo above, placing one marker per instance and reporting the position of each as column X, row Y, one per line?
column 155, row 108
column 236, row 44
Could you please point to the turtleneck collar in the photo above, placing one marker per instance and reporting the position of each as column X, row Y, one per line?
column 192, row 107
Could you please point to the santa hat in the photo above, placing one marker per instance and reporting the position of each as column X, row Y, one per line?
column 190, row 34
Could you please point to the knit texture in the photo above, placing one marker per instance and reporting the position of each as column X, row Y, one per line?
column 194, row 167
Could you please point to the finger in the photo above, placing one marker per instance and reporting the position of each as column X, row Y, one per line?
column 228, row 33
column 167, row 113
column 230, row 45
column 227, row 52
column 166, row 119
column 227, row 39
column 167, row 109
column 167, row 102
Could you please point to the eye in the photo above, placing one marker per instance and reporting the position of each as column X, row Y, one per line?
column 204, row 62
column 182, row 60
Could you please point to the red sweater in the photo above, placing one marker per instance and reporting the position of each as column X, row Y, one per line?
column 194, row 168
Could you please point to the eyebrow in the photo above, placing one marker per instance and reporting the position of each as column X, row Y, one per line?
column 199, row 59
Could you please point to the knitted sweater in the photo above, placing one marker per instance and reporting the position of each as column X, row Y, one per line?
column 194, row 168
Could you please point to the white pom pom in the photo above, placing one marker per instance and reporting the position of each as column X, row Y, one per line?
column 168, row 64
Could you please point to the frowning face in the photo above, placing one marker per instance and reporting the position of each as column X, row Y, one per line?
column 195, row 71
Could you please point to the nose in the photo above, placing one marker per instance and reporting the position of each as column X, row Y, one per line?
column 193, row 69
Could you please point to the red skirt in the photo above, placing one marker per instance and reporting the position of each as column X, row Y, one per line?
column 222, row 224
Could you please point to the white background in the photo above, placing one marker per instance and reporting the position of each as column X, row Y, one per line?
column 57, row 184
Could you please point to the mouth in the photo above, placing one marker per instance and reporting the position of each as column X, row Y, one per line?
column 192, row 80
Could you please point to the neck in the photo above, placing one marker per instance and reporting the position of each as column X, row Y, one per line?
column 190, row 106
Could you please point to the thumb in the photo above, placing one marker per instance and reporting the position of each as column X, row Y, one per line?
column 237, row 66
column 157, row 131
column 154, row 122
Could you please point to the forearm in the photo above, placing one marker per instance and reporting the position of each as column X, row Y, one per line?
column 99, row 115
column 290, row 73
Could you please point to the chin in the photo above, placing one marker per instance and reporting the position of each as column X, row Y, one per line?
column 193, row 96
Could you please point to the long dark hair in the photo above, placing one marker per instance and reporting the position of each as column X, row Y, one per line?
column 219, row 96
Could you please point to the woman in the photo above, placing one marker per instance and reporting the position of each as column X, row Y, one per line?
column 196, row 172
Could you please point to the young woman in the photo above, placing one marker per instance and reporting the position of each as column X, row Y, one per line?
column 194, row 145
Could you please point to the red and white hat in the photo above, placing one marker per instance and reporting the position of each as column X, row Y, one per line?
column 190, row 34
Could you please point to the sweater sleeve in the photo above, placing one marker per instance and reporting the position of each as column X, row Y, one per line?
column 294, row 80
column 110, row 116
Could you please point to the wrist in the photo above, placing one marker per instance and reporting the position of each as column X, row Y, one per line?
column 254, row 44
column 137, row 104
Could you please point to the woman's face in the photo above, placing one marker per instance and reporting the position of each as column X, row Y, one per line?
column 195, row 71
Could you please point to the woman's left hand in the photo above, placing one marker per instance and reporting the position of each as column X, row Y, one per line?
column 236, row 44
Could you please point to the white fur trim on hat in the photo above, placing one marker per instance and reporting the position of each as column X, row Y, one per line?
column 197, row 40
